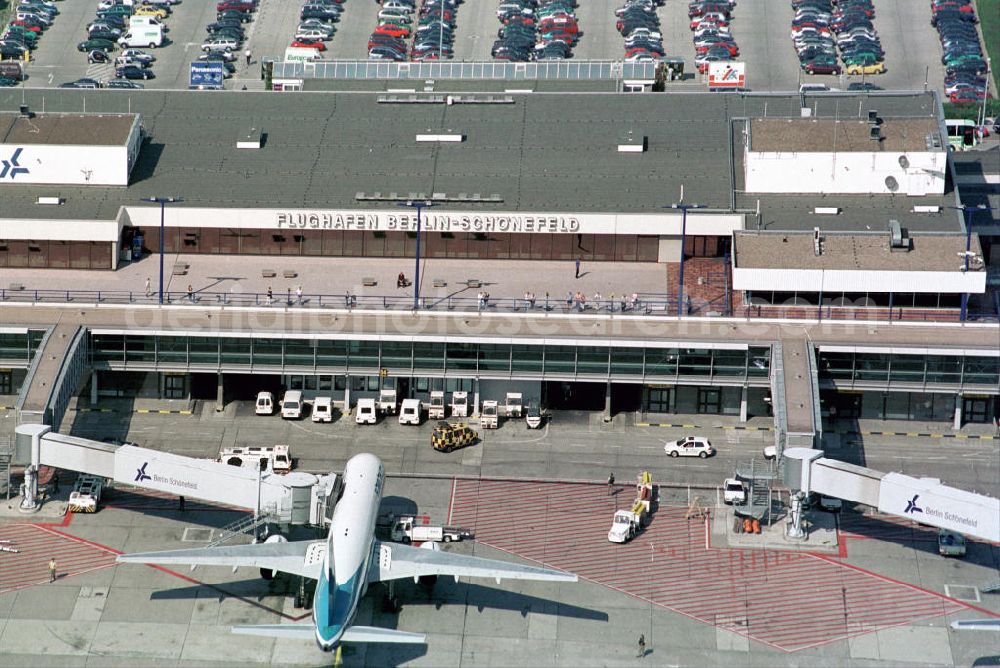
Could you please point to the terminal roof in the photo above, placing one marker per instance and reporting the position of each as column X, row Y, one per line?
column 70, row 129
column 544, row 153
column 864, row 252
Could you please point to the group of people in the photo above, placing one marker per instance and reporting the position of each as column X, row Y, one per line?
column 484, row 299
column 578, row 301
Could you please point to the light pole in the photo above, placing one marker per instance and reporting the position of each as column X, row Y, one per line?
column 162, row 201
column 967, row 212
column 680, row 279
column 419, row 205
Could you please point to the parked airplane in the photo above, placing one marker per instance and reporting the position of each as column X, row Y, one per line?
column 345, row 563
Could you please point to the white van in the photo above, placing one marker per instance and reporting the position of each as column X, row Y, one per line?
column 143, row 21
column 366, row 412
column 411, row 412
column 291, row 405
column 298, row 54
column 322, row 409
column 148, row 36
column 265, row 404
column 814, row 88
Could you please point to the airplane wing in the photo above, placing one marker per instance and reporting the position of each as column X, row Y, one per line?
column 397, row 561
column 304, row 557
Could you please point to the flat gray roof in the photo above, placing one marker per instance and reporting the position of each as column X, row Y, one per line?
column 55, row 129
column 545, row 152
column 864, row 252
column 828, row 135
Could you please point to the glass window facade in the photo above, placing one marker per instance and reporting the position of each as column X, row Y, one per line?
column 958, row 370
column 55, row 254
column 20, row 347
column 435, row 358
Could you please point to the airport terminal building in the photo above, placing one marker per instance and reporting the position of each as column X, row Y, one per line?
column 831, row 205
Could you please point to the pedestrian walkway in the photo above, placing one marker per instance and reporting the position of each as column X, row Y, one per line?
column 36, row 544
column 753, row 593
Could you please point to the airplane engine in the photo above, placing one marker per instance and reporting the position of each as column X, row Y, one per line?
column 267, row 573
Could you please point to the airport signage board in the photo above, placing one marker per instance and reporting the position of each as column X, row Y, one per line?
column 207, row 75
column 727, row 75
column 927, row 501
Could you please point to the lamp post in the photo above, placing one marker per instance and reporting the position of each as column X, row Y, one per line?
column 683, row 207
column 162, row 201
column 967, row 212
column 419, row 205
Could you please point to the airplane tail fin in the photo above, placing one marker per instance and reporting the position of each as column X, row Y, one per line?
column 377, row 634
column 293, row 631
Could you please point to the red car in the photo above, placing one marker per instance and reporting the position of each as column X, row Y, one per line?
column 966, row 96
column 308, row 44
column 733, row 49
column 33, row 27
column 392, row 30
column 235, row 5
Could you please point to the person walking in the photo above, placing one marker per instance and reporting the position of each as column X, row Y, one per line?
column 642, row 645
column 180, row 503
column 247, row 54
column 190, row 293
column 611, row 483
column 577, row 267
column 149, row 289
column 52, row 569
column 270, row 295
column 298, row 295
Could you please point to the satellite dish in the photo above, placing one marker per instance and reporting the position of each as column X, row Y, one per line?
column 904, row 162
column 891, row 183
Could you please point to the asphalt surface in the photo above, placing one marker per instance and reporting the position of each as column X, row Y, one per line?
column 762, row 30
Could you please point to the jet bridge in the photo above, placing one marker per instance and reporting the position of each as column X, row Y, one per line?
column 923, row 500
column 293, row 498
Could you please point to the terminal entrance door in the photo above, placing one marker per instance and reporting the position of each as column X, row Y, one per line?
column 709, row 400
column 575, row 396
column 977, row 409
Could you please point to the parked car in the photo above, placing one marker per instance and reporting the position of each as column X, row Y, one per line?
column 123, row 83
column 134, row 72
column 96, row 44
column 689, row 446
column 98, row 56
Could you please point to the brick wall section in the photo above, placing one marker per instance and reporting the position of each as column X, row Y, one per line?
column 710, row 295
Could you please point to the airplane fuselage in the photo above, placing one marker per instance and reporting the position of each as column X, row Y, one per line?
column 350, row 541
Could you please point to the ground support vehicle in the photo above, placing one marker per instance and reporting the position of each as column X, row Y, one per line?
column 460, row 404
column 489, row 418
column 387, row 402
column 86, row 494
column 448, row 436
column 435, row 410
column 627, row 523
column 406, row 530
column 277, row 458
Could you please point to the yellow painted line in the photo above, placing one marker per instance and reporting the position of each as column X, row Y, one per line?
column 961, row 436
column 688, row 426
column 913, row 433
column 185, row 412
column 641, row 424
column 937, row 435
column 730, row 428
column 866, row 433
column 985, row 438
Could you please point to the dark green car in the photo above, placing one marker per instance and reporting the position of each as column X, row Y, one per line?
column 105, row 45
column 120, row 10
column 22, row 33
column 7, row 82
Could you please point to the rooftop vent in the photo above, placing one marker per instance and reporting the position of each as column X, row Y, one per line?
column 926, row 209
column 817, row 242
column 250, row 139
column 632, row 143
column 50, row 200
column 875, row 133
column 25, row 112
column 898, row 239
column 873, row 117
column 827, row 210
column 454, row 138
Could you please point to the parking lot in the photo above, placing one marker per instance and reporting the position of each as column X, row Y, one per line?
column 761, row 29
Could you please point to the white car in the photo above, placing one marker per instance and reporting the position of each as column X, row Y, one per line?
column 137, row 55
column 733, row 491
column 313, row 35
column 689, row 446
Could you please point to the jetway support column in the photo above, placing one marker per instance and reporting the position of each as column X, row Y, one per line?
column 743, row 405
column 220, row 402
column 475, row 398
column 957, row 423
column 607, row 403
column 93, row 388
column 347, row 395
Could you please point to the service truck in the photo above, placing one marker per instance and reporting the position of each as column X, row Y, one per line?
column 299, row 54
column 734, row 491
column 411, row 412
column 387, row 401
column 489, row 417
column 627, row 523
column 406, row 530
column 513, row 404
column 277, row 458
column 435, row 410
column 460, row 404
